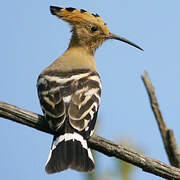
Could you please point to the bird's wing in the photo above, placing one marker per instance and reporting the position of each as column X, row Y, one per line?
column 51, row 100
column 76, row 96
column 84, row 102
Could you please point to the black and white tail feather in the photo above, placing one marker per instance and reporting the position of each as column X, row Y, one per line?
column 70, row 150
column 70, row 102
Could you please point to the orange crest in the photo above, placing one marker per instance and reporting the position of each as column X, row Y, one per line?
column 75, row 16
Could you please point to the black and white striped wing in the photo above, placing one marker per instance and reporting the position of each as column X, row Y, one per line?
column 84, row 103
column 76, row 96
column 51, row 100
column 70, row 102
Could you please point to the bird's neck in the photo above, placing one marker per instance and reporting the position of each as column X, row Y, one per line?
column 78, row 58
column 83, row 43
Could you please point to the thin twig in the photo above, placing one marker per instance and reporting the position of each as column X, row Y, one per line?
column 102, row 145
column 167, row 135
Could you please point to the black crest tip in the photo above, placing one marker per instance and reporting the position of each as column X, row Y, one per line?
column 82, row 11
column 70, row 9
column 96, row 15
column 54, row 10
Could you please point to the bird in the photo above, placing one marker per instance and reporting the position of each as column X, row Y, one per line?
column 69, row 91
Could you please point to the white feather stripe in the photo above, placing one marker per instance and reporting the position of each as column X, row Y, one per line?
column 68, row 137
column 49, row 157
column 86, row 129
column 61, row 80
column 96, row 106
column 97, row 79
column 49, row 101
column 44, row 93
column 91, row 114
column 67, row 99
column 92, row 132
column 92, row 91
column 85, row 113
column 41, row 81
column 50, row 91
column 90, row 155
column 84, row 89
column 86, row 99
column 86, row 122
column 88, row 96
column 98, row 97
column 50, row 114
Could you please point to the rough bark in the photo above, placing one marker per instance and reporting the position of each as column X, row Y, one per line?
column 167, row 135
column 100, row 144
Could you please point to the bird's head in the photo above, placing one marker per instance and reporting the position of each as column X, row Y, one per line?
column 89, row 30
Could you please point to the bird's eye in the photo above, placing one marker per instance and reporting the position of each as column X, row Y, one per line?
column 94, row 28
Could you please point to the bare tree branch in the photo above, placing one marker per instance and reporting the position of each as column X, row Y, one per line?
column 166, row 134
column 102, row 145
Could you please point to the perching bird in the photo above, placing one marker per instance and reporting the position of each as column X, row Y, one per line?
column 69, row 91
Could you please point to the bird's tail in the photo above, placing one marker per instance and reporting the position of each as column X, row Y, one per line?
column 69, row 150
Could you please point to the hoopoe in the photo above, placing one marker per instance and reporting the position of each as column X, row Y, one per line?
column 69, row 91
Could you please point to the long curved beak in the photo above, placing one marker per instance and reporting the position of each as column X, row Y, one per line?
column 114, row 36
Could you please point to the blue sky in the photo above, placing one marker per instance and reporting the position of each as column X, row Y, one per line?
column 31, row 39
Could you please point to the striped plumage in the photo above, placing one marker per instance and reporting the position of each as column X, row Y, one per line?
column 70, row 101
column 69, row 91
column 74, row 95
